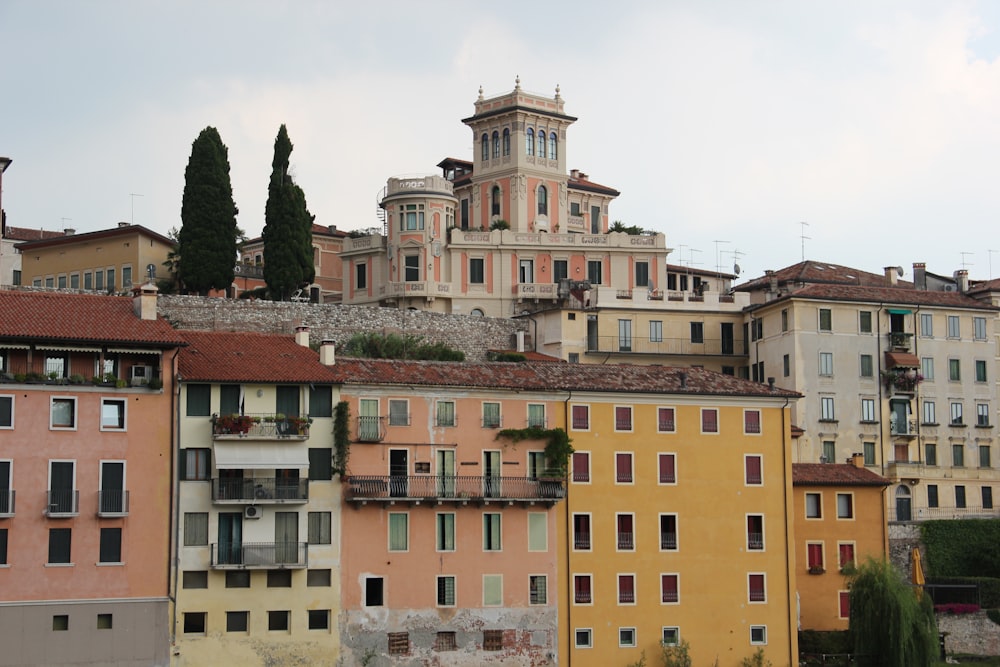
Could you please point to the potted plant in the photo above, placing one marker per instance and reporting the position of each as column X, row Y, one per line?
column 816, row 569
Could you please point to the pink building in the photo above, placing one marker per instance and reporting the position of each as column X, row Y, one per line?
column 85, row 469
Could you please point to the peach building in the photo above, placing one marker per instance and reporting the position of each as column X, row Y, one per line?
column 85, row 464
column 327, row 286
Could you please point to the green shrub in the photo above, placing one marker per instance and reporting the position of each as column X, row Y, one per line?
column 962, row 548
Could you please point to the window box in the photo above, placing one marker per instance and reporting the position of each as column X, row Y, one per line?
column 816, row 570
column 900, row 379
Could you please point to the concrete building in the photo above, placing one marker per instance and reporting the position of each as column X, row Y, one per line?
column 327, row 286
column 257, row 547
column 10, row 255
column 86, row 397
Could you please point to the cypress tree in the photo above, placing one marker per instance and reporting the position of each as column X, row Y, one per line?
column 287, row 235
column 206, row 252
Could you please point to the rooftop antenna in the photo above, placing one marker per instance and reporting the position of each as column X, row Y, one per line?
column 65, row 220
column 966, row 264
column 989, row 253
column 718, row 258
column 736, row 260
column 133, row 196
column 803, row 237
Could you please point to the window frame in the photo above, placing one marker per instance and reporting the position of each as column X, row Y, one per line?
column 394, row 416
column 394, row 547
column 579, row 417
column 122, row 414
column 954, row 327
column 624, row 477
column 826, row 364
column 488, row 419
column 753, row 577
column 583, row 597
column 825, row 320
column 979, row 328
column 867, row 369
column 751, row 425
column 622, row 592
column 748, row 478
column 534, row 599
column 580, row 476
column 850, row 513
column 10, row 400
column 492, row 532
column 668, row 426
column 818, row 514
column 623, row 633
column 577, row 540
column 623, row 419
column 670, row 477
column 445, row 414
column 442, row 595
column 675, row 577
column 762, row 633
column 671, row 517
column 827, row 409
column 868, row 410
column 707, row 425
column 751, row 544
column 74, row 417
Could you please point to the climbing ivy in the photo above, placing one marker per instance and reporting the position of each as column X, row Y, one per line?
column 341, row 437
column 962, row 548
column 557, row 445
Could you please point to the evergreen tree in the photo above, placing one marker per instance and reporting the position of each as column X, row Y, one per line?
column 288, row 253
column 206, row 252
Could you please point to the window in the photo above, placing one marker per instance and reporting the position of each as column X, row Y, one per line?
column 930, row 454
column 237, row 621
column 194, row 464
column 958, row 456
column 320, row 527
column 758, row 634
column 399, row 531
column 867, row 366
column 980, row 370
column 927, row 367
column 491, row 531
column 60, row 540
column 626, row 589
column 930, row 417
column 496, row 144
column 63, row 413
column 960, row 496
column 655, row 331
column 536, row 464
column 279, row 578
column 543, row 200
column 445, row 640
column 829, row 452
column 277, row 620
column 320, row 401
column 374, row 592
column 756, row 326
column 560, row 270
column 926, row 325
column 825, row 320
column 105, row 621
column 626, row 532
column 751, row 421
column 399, row 412
column 827, row 412
column 709, row 420
column 538, row 531
column 865, row 321
column 956, row 414
column 814, row 555
column 491, row 415
column 581, row 417
column 60, row 622
column 445, row 531
column 538, row 589
column 954, row 327
column 582, row 638
column 624, row 335
column 987, row 497
column 529, row 142
column 826, row 363
column 784, row 320
column 477, row 274
column 195, row 579
column 112, row 414
column 320, row 464
column 697, row 332
column 238, row 579
column 670, row 589
column 199, row 400
column 581, row 589
column 594, row 268
column 411, row 268
column 360, row 276
column 445, row 413
column 755, row 532
column 626, row 637
column 982, row 414
column 623, row 467
column 195, row 529
column 581, row 532
column 752, row 466
column 984, row 456
column 979, row 327
column 492, row 640
column 111, row 280
column 411, row 217
column 932, row 495
column 814, row 506
column 553, row 146
column 955, row 370
column 671, row 636
column 492, row 590
column 845, row 506
column 319, row 577
column 536, row 415
column 581, row 467
column 6, row 409
column 868, row 409
column 757, row 587
column 642, row 274
column 667, row 466
column 786, row 365
column 869, row 453
column 665, row 420
column 623, row 418
column 399, row 642
column 446, row 591
column 194, row 622
column 668, row 532
column 3, row 546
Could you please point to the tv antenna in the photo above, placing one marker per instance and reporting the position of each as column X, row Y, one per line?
column 718, row 257
column 965, row 263
column 989, row 253
column 133, row 196
column 803, row 237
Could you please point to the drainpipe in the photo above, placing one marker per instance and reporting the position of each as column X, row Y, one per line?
column 173, row 557
column 881, row 411
column 916, row 398
column 569, row 550
column 788, row 530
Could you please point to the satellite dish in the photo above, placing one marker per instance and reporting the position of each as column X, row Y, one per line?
column 899, row 271
column 736, row 269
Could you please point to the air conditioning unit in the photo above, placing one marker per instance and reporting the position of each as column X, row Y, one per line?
column 252, row 512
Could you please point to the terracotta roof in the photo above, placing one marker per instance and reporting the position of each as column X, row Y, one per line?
column 677, row 268
column 530, row 355
column 834, row 474
column 818, row 272
column 590, row 186
column 53, row 316
column 903, row 296
column 230, row 356
column 66, row 239
column 324, row 230
column 552, row 376
column 985, row 286
column 25, row 234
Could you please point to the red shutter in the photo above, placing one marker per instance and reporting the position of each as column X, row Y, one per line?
column 667, row 473
column 582, row 585
column 581, row 417
column 623, row 467
column 751, row 421
column 815, row 553
column 753, row 470
column 710, row 421
column 626, row 589
column 666, row 419
column 845, row 604
column 623, row 419
column 668, row 584
column 581, row 467
column 846, row 554
column 757, row 588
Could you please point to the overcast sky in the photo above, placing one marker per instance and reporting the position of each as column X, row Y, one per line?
column 877, row 123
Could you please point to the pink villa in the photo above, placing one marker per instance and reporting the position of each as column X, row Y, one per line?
column 85, row 476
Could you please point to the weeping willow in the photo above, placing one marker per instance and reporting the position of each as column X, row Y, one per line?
column 889, row 625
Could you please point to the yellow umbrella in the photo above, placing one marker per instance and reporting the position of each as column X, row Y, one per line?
column 918, row 574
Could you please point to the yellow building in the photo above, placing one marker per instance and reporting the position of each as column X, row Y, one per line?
column 839, row 521
column 678, row 519
column 110, row 260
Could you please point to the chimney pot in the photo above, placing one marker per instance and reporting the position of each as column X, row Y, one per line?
column 327, row 356
column 302, row 336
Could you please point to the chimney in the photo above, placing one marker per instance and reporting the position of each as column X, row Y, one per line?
column 574, row 173
column 302, row 336
column 144, row 301
column 962, row 280
column 332, row 228
column 772, row 281
column 770, row 383
column 69, row 231
column 122, row 224
column 890, row 276
column 684, row 379
column 920, row 275
column 326, row 353
column 858, row 459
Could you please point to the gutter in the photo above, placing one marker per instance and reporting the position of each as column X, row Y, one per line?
column 789, row 543
column 173, row 557
column 569, row 543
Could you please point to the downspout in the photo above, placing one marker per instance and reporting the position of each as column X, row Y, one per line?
column 173, row 557
column 881, row 402
column 569, row 550
column 792, row 622
column 916, row 398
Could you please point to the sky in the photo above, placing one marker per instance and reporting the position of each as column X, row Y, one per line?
column 725, row 124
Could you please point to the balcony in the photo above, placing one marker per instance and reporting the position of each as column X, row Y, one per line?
column 362, row 489
column 935, row 513
column 370, row 429
column 537, row 291
column 755, row 541
column 6, row 503
column 62, row 503
column 260, row 556
column 112, row 503
column 665, row 346
column 626, row 541
column 260, row 490
column 899, row 340
column 260, row 427
column 907, row 428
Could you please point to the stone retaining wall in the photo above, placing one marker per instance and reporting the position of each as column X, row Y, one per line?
column 974, row 633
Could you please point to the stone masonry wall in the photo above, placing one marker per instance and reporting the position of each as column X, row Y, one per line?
column 472, row 335
column 973, row 633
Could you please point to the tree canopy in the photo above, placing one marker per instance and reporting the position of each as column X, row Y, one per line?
column 394, row 346
column 206, row 250
column 287, row 236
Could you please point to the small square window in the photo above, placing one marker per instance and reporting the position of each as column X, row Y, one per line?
column 671, row 636
column 195, row 579
column 237, row 578
column 626, row 637
column 194, row 622
column 279, row 578
column 277, row 621
column 319, row 619
column 105, row 621
column 112, row 414
column 492, row 640
column 236, row 621
column 445, row 641
column 399, row 413
column 60, row 622
column 758, row 634
column 63, row 413
column 399, row 643
column 318, row 578
column 583, row 638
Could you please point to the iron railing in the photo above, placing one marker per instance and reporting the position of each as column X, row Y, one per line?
column 62, row 503
column 452, row 487
column 678, row 346
column 370, row 429
column 260, row 555
column 6, row 502
column 259, row 489
column 260, row 425
column 112, row 502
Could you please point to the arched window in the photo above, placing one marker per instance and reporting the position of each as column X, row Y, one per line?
column 506, row 142
column 495, row 200
column 541, row 144
column 553, row 146
column 529, row 142
column 543, row 200
column 486, row 147
column 496, row 144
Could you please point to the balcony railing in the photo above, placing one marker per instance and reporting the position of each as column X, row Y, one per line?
column 626, row 541
column 112, row 502
column 668, row 541
column 7, row 502
column 260, row 427
column 450, row 487
column 907, row 427
column 62, row 503
column 370, row 429
column 260, row 555
column 932, row 513
column 581, row 541
column 755, row 541
column 676, row 346
column 899, row 339
column 259, row 490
